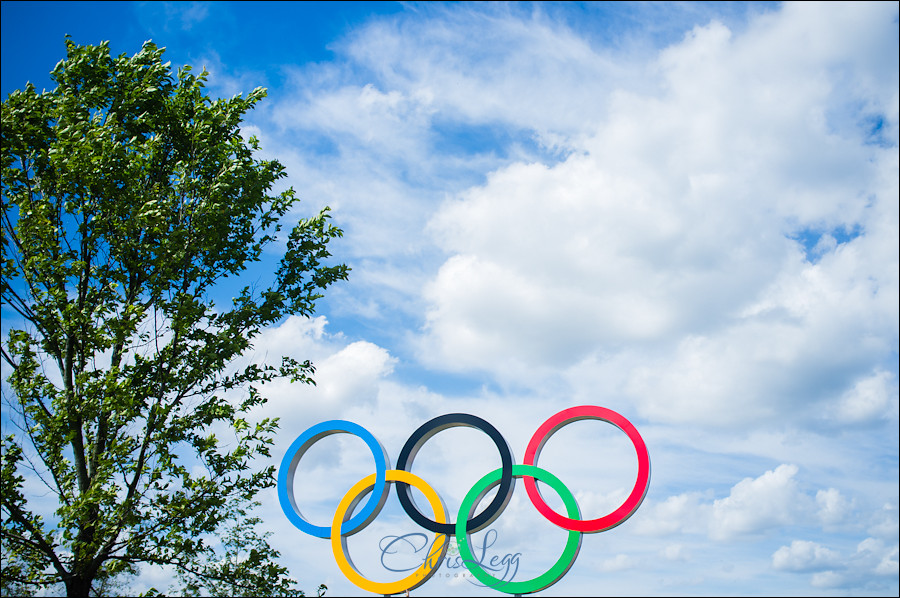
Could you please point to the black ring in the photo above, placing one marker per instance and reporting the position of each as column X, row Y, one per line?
column 415, row 442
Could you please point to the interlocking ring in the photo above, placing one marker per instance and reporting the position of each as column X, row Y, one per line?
column 429, row 429
column 339, row 540
column 634, row 500
column 345, row 523
column 554, row 573
column 289, row 467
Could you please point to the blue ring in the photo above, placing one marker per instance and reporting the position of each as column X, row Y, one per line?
column 289, row 467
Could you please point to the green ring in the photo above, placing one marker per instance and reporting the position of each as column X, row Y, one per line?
column 562, row 565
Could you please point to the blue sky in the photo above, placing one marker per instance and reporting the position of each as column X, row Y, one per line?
column 685, row 212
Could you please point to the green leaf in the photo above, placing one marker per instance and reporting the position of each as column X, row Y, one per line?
column 128, row 195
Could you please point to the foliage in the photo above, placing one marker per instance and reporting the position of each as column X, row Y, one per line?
column 128, row 195
column 248, row 562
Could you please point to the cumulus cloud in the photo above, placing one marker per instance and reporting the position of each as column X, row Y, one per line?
column 698, row 226
column 716, row 220
column 834, row 508
column 883, row 556
column 364, row 361
column 804, row 556
column 346, row 373
column 887, row 523
column 872, row 559
column 870, row 398
column 753, row 506
column 756, row 505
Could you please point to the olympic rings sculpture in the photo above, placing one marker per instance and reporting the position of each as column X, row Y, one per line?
column 377, row 485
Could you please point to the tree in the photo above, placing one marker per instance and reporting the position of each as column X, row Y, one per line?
column 128, row 196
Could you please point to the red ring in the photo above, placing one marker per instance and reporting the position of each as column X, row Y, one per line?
column 567, row 416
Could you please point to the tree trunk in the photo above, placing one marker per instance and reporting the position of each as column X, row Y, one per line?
column 79, row 586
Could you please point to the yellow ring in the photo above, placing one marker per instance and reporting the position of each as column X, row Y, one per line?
column 345, row 511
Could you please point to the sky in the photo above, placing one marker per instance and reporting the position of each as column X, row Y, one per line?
column 683, row 212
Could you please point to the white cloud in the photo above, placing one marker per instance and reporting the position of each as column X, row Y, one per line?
column 756, row 505
column 753, row 506
column 435, row 57
column 346, row 374
column 879, row 556
column 671, row 236
column 887, row 523
column 676, row 514
column 391, row 122
column 872, row 559
column 888, row 565
column 870, row 398
column 663, row 237
column 365, row 363
column 834, row 508
column 805, row 556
